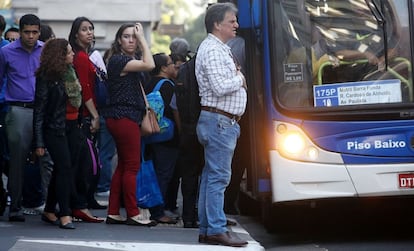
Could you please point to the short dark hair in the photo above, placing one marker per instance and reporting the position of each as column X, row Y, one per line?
column 216, row 13
column 160, row 60
column 178, row 57
column 11, row 29
column 2, row 24
column 46, row 32
column 29, row 19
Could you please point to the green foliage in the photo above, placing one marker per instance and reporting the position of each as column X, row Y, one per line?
column 181, row 12
column 160, row 43
column 195, row 33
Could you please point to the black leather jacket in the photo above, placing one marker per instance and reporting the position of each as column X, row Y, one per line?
column 49, row 110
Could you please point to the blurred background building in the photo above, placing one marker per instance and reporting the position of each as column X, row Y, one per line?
column 163, row 20
column 107, row 15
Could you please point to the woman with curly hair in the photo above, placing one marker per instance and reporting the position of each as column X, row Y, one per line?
column 56, row 127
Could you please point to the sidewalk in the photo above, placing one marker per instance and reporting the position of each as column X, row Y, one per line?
column 34, row 235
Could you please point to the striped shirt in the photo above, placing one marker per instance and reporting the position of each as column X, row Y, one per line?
column 219, row 85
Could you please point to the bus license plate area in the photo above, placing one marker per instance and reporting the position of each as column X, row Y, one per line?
column 406, row 180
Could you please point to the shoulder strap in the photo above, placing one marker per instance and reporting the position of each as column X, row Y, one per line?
column 145, row 97
column 159, row 84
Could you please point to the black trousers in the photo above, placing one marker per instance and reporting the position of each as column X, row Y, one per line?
column 190, row 163
column 83, row 168
column 61, row 184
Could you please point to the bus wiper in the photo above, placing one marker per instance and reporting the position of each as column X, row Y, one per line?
column 377, row 12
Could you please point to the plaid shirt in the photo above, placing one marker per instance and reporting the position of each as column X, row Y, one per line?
column 218, row 82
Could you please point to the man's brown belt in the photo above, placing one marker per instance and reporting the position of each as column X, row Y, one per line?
column 215, row 110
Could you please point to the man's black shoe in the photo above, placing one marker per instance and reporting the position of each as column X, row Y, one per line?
column 17, row 218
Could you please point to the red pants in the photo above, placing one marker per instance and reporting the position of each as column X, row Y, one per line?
column 127, row 136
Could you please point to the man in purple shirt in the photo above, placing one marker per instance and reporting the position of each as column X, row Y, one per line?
column 18, row 62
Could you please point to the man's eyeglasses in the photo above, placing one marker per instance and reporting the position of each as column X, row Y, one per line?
column 11, row 39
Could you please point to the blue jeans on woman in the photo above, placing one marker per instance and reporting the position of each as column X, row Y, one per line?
column 106, row 146
column 218, row 134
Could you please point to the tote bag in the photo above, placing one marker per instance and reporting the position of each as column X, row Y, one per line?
column 148, row 192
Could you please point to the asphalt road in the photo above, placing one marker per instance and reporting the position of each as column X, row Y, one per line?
column 372, row 225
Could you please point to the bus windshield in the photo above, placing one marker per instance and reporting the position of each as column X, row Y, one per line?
column 341, row 54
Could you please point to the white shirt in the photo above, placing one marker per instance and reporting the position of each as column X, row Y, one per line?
column 218, row 82
column 97, row 59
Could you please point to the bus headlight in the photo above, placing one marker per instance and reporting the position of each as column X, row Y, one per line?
column 293, row 143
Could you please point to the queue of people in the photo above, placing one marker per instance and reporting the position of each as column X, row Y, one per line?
column 57, row 113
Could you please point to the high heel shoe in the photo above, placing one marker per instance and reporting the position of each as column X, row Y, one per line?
column 77, row 213
column 44, row 218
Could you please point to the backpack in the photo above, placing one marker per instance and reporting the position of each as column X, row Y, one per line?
column 166, row 125
column 187, row 96
column 101, row 89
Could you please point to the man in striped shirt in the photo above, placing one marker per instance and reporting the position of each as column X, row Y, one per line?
column 223, row 94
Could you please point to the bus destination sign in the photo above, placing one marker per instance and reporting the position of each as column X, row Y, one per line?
column 358, row 93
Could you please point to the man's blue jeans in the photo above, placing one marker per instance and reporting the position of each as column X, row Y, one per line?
column 218, row 134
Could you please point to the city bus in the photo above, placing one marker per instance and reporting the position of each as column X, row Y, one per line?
column 330, row 100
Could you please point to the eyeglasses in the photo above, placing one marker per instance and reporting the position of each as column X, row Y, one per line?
column 11, row 39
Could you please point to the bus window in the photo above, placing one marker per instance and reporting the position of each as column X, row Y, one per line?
column 357, row 52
